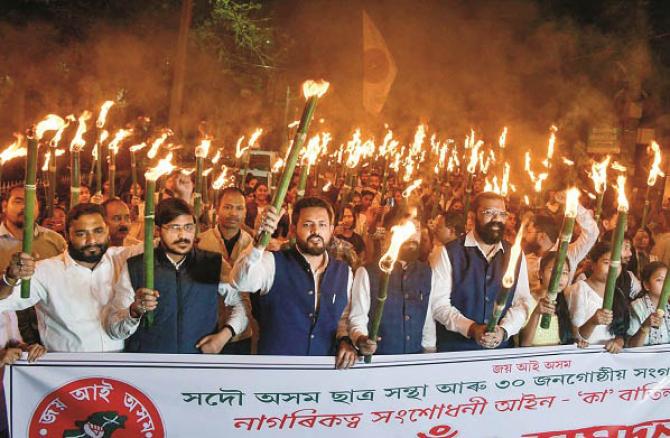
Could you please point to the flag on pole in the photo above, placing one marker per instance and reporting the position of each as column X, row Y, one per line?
column 379, row 69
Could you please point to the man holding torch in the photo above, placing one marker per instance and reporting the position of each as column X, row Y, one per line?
column 184, row 299
column 407, row 326
column 303, row 302
column 472, row 275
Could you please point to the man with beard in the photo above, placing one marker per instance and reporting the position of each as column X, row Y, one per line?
column 229, row 240
column 70, row 291
column 117, row 217
column 472, row 274
column 541, row 237
column 185, row 298
column 46, row 243
column 303, row 301
column 407, row 326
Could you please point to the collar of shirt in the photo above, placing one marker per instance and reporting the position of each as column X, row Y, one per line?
column 177, row 265
column 4, row 231
column 471, row 240
column 321, row 268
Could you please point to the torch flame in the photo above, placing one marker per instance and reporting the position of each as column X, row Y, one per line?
column 515, row 253
column 52, row 122
column 278, row 165
column 47, row 157
column 399, row 234
column 313, row 88
column 217, row 156
column 78, row 142
column 505, row 180
column 408, row 191
column 137, row 147
column 503, row 138
column 163, row 167
column 327, row 186
column 474, row 157
column 618, row 166
column 599, row 175
column 157, row 144
column 572, row 202
column 219, row 182
column 567, row 161
column 120, row 135
column 207, row 171
column 655, row 170
column 59, row 134
column 202, row 149
column 621, row 191
column 104, row 134
column 102, row 116
column 14, row 150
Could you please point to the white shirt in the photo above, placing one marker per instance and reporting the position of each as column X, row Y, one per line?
column 577, row 250
column 255, row 271
column 452, row 318
column 70, row 300
column 360, row 309
column 583, row 302
column 9, row 330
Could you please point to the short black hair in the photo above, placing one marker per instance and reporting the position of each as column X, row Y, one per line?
column 485, row 196
column 111, row 201
column 8, row 193
column 599, row 250
column 454, row 220
column 83, row 209
column 308, row 202
column 547, row 225
column 169, row 209
column 228, row 190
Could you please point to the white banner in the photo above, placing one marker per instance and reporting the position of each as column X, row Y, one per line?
column 526, row 392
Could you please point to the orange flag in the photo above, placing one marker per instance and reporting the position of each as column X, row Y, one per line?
column 379, row 69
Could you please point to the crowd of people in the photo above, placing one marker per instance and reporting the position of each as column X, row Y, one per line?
column 314, row 288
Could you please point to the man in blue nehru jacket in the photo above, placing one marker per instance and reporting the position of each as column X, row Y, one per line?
column 303, row 295
column 472, row 272
column 407, row 326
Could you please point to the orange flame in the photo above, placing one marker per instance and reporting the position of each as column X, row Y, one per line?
column 503, row 138
column 408, row 191
column 102, row 116
column 621, row 192
column 599, row 174
column 163, row 167
column 52, row 122
column 217, row 156
column 78, row 142
column 137, row 147
column 399, row 234
column 202, row 149
column 313, row 88
column 12, row 151
column 120, row 135
column 655, row 170
column 572, row 202
column 157, row 143
column 515, row 253
column 221, row 180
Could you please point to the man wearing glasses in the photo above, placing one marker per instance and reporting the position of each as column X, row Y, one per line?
column 185, row 298
column 472, row 272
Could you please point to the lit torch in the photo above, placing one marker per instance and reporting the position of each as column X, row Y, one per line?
column 14, row 150
column 151, row 176
column 599, row 177
column 50, row 123
column 472, row 166
column 312, row 92
column 113, row 148
column 654, row 172
column 133, row 166
column 399, row 234
column 617, row 243
column 571, row 205
column 201, row 152
column 76, row 145
column 507, row 281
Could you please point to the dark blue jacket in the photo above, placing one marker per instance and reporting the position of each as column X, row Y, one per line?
column 187, row 306
column 405, row 308
column 475, row 285
column 288, row 323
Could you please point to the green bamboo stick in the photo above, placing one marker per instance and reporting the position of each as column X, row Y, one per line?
column 599, row 206
column 51, row 192
column 197, row 198
column 29, row 211
column 148, row 257
column 566, row 235
column 615, row 259
column 112, row 173
column 133, row 172
column 645, row 211
column 98, row 169
column 75, row 183
column 292, row 159
column 379, row 310
column 302, row 185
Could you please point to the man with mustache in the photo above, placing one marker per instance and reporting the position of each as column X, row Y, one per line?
column 229, row 239
column 70, row 291
column 473, row 271
column 303, row 301
column 117, row 217
column 46, row 243
column 185, row 295
column 407, row 326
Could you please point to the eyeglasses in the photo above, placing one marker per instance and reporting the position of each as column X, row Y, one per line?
column 175, row 228
column 491, row 213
